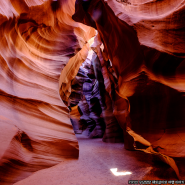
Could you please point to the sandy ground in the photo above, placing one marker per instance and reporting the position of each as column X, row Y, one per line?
column 94, row 164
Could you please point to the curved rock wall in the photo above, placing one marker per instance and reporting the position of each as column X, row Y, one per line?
column 151, row 47
column 159, row 24
column 37, row 40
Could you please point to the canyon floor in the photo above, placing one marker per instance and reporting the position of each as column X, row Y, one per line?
column 96, row 158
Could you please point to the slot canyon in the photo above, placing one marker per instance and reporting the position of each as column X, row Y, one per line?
column 92, row 92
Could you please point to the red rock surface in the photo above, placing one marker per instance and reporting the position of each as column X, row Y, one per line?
column 140, row 45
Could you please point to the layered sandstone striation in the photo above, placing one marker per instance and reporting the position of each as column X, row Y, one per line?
column 138, row 55
column 146, row 49
column 37, row 40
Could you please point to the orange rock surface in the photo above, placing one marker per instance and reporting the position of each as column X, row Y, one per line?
column 44, row 42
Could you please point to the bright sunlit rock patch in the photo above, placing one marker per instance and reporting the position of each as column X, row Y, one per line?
column 116, row 173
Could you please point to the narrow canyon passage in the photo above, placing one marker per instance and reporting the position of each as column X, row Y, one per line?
column 91, row 89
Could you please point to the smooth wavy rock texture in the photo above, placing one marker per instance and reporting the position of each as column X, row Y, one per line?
column 44, row 43
column 37, row 40
column 159, row 24
column 146, row 50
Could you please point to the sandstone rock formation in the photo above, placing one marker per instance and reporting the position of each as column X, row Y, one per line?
column 36, row 43
column 137, row 48
column 136, row 65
